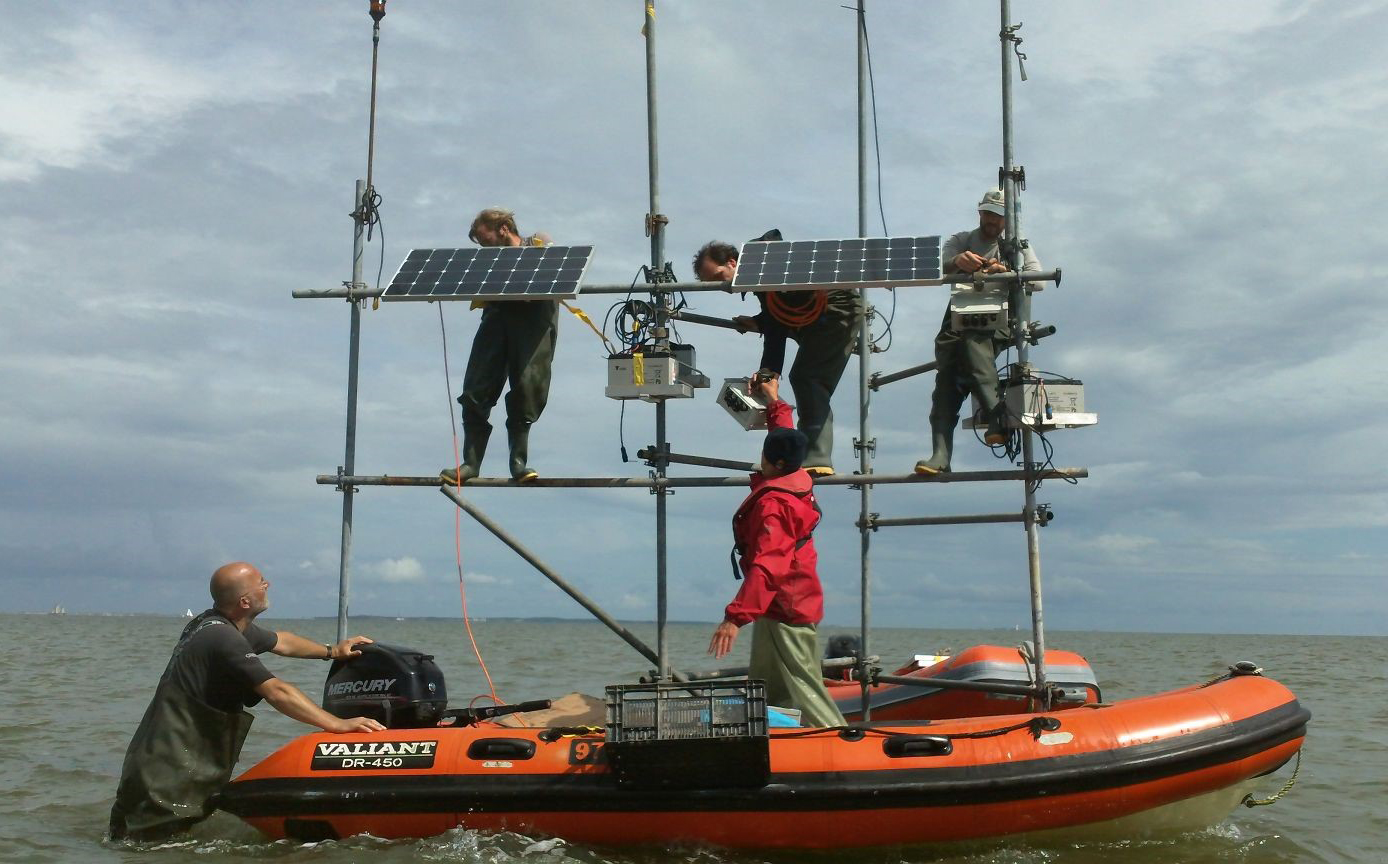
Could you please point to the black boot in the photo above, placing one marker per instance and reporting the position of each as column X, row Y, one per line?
column 520, row 447
column 997, row 433
column 474, row 448
column 942, row 442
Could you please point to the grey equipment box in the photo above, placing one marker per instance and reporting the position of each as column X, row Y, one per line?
column 978, row 310
column 747, row 409
column 1040, row 404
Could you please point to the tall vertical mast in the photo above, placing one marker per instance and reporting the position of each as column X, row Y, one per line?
column 349, row 458
column 1020, row 304
column 363, row 217
column 864, row 444
column 655, row 226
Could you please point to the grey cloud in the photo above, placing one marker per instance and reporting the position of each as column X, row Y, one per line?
column 168, row 405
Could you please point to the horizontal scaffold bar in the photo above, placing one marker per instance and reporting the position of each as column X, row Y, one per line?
column 366, row 292
column 694, row 482
column 950, row 684
column 829, row 665
column 706, row 320
column 878, row 379
column 977, row 519
column 705, row 461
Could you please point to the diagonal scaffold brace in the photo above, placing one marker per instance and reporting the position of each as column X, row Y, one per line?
column 549, row 573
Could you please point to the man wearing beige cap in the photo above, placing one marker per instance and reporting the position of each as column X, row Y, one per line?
column 966, row 358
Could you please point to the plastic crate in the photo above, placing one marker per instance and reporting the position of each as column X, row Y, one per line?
column 680, row 712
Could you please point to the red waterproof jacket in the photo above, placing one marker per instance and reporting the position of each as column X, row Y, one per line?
column 780, row 581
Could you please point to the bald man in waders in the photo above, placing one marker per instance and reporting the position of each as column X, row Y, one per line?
column 780, row 594
column 191, row 735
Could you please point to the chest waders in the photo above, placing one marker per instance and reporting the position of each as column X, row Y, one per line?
column 181, row 755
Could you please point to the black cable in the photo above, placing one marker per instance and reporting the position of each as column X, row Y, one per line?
column 381, row 266
column 622, row 430
column 1012, row 448
column 886, row 326
column 876, row 140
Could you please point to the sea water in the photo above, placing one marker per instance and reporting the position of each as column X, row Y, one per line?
column 73, row 688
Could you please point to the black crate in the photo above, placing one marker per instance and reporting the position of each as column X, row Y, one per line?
column 743, row 762
column 681, row 712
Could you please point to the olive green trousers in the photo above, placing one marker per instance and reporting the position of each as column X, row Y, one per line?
column 786, row 657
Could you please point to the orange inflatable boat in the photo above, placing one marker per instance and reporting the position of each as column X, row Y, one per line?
column 1185, row 757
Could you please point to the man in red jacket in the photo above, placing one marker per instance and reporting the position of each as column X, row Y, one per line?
column 780, row 586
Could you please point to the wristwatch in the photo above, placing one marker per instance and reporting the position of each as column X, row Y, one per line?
column 328, row 646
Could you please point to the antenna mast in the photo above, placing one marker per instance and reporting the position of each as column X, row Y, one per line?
column 865, row 445
column 1013, row 180
column 363, row 219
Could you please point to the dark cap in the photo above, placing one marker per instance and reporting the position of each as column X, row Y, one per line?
column 786, row 445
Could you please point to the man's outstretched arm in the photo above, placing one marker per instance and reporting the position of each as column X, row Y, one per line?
column 289, row 644
column 292, row 702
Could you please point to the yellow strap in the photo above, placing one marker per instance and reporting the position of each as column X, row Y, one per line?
column 583, row 316
column 638, row 368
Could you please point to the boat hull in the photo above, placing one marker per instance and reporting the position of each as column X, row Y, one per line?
column 1098, row 765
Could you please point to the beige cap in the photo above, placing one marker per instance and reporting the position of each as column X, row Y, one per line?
column 993, row 202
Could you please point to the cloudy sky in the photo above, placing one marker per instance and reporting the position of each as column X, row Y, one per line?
column 1205, row 174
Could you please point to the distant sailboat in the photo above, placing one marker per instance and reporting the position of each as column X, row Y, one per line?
column 58, row 610
column 188, row 613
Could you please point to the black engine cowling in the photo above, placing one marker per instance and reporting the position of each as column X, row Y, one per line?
column 400, row 687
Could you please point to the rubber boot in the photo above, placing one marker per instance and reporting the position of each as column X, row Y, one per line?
column 520, row 447
column 474, row 448
column 942, row 442
column 996, row 434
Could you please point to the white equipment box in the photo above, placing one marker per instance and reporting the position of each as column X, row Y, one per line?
column 1040, row 404
column 748, row 410
column 977, row 310
column 654, row 375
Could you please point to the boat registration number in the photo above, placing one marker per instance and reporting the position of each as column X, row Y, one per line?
column 586, row 753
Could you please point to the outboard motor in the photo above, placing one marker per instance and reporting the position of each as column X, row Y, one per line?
column 843, row 645
column 399, row 687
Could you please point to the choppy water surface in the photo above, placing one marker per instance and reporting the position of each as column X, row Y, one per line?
column 72, row 689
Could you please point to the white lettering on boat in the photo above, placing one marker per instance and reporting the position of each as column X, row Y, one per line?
column 377, row 748
column 373, row 755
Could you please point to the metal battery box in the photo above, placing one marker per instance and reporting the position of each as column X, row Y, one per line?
column 654, row 374
column 747, row 409
column 1040, row 403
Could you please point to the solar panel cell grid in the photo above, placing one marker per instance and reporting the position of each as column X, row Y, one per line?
column 490, row 273
column 849, row 262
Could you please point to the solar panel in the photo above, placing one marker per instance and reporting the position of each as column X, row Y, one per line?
column 802, row 264
column 490, row 273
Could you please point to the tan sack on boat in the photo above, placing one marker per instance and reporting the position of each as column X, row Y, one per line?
column 575, row 709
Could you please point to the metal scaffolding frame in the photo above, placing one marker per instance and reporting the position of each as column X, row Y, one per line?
column 661, row 286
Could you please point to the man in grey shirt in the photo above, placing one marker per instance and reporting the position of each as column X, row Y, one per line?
column 966, row 358
column 191, row 735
